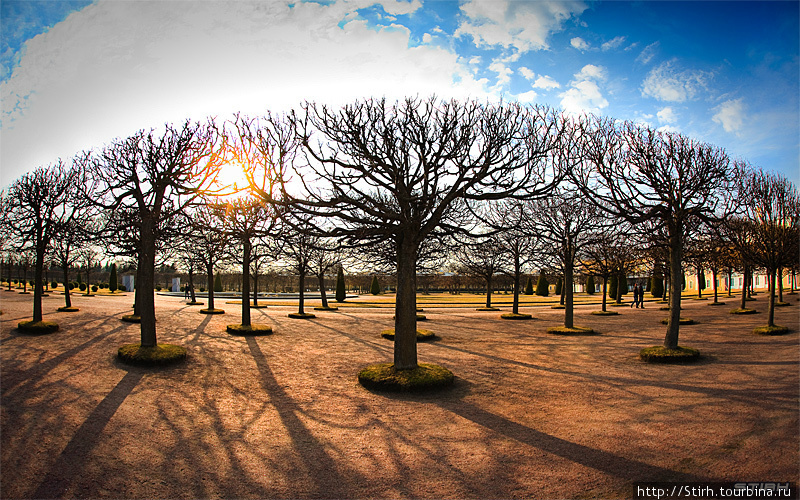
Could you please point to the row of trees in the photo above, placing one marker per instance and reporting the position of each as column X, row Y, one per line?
column 408, row 186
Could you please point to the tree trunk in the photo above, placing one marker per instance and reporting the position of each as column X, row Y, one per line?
column 246, row 281
column 714, row 277
column 730, row 281
column 67, row 298
column 302, row 300
column 38, row 272
column 147, row 264
column 515, row 306
column 488, row 291
column 210, row 288
column 321, row 278
column 701, row 282
column 780, row 284
column 675, row 273
column 191, row 285
column 771, row 287
column 745, row 276
column 405, row 323
column 255, row 289
column 605, row 288
column 567, row 295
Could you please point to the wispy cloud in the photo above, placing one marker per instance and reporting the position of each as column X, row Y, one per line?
column 667, row 82
column 614, row 43
column 648, row 53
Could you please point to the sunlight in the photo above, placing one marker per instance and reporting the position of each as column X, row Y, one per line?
column 230, row 181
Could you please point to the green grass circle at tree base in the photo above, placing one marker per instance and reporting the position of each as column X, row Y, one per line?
column 37, row 327
column 771, row 330
column 575, row 330
column 160, row 355
column 253, row 330
column 662, row 302
column 782, row 304
column 558, row 306
column 605, row 313
column 425, row 377
column 212, row 311
column 66, row 309
column 301, row 315
column 660, row 354
column 621, row 304
column 487, row 308
column 744, row 311
column 195, row 303
column 681, row 321
column 329, row 308
column 716, row 303
column 515, row 316
column 131, row 318
column 422, row 335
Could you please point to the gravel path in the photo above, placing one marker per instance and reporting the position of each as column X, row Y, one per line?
column 531, row 415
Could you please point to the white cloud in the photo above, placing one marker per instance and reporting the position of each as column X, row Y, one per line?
column 590, row 71
column 579, row 43
column 584, row 94
column 524, row 26
column 115, row 67
column 546, row 83
column 730, row 114
column 667, row 115
column 667, row 83
column 613, row 43
column 427, row 38
column 648, row 53
column 529, row 96
column 527, row 73
column 503, row 73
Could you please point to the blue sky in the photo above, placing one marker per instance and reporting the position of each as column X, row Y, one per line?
column 75, row 75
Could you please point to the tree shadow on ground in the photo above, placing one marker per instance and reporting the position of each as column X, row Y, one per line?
column 69, row 465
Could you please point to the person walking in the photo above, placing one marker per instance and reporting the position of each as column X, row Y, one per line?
column 641, row 296
column 635, row 296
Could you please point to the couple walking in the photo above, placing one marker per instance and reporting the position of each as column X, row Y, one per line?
column 638, row 296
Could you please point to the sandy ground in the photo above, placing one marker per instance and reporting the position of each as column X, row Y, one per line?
column 531, row 415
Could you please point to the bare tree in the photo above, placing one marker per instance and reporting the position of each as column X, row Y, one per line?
column 325, row 258
column 244, row 219
column 210, row 244
column 566, row 221
column 483, row 258
column 605, row 255
column 154, row 177
column 402, row 172
column 773, row 208
column 43, row 203
column 639, row 174
column 516, row 240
